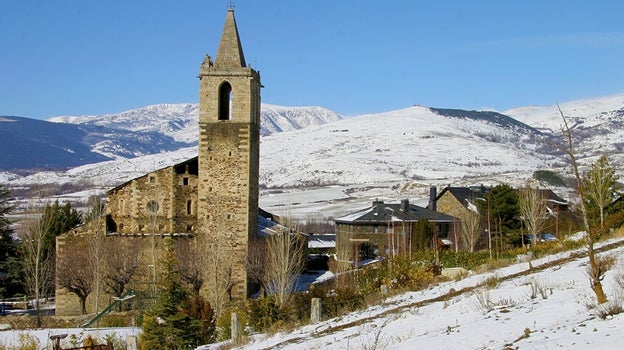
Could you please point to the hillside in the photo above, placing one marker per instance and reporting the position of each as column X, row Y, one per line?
column 597, row 125
column 333, row 164
column 62, row 143
column 545, row 307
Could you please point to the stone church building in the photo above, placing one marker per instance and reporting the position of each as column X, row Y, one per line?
column 209, row 202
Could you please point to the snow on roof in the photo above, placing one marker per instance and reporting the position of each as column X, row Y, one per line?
column 322, row 241
column 356, row 215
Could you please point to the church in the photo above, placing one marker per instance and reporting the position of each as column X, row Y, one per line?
column 208, row 203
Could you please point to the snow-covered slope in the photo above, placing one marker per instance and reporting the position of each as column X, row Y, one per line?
column 411, row 144
column 67, row 141
column 597, row 125
column 404, row 150
column 180, row 121
column 542, row 309
column 548, row 117
column 406, row 145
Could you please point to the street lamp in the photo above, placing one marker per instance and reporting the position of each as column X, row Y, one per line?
column 488, row 229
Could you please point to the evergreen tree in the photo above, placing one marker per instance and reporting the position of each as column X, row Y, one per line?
column 178, row 320
column 423, row 235
column 10, row 267
column 60, row 219
column 501, row 204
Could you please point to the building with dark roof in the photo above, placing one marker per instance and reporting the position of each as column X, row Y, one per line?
column 388, row 229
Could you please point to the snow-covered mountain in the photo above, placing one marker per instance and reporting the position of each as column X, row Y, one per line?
column 404, row 150
column 180, row 121
column 416, row 143
column 597, row 125
column 69, row 141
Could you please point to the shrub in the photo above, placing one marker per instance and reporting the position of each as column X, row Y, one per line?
column 611, row 307
column 550, row 177
column 264, row 313
column 465, row 259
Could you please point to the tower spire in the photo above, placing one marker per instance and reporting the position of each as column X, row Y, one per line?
column 230, row 52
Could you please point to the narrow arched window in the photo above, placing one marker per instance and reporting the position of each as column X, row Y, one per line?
column 225, row 95
column 189, row 207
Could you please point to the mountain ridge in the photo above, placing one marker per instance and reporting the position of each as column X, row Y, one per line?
column 412, row 145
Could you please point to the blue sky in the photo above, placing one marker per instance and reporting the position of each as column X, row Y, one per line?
column 93, row 57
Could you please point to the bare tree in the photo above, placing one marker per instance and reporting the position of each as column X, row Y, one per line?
column 190, row 263
column 121, row 260
column 597, row 268
column 38, row 265
column 345, row 248
column 470, row 229
column 599, row 185
column 256, row 262
column 96, row 219
column 75, row 273
column 220, row 277
column 532, row 205
column 285, row 257
column 152, row 210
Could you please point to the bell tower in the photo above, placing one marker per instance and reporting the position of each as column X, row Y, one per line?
column 229, row 152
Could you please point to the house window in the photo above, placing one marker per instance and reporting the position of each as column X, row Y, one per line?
column 185, row 181
column 225, row 96
column 189, row 207
column 152, row 178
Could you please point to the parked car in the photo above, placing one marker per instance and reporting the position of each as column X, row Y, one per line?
column 541, row 237
column 546, row 237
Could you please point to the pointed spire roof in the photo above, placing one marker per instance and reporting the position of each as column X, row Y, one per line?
column 230, row 52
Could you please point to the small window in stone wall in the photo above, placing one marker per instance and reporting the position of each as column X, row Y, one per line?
column 152, row 178
column 228, row 216
column 121, row 227
column 141, row 227
column 185, row 181
column 189, row 228
column 189, row 207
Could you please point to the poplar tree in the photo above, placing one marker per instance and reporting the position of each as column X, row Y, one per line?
column 599, row 185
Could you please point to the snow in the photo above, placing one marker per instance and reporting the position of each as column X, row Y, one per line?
column 346, row 163
column 546, row 307
column 549, row 117
column 541, row 310
column 11, row 339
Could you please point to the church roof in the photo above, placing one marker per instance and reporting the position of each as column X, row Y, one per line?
column 230, row 52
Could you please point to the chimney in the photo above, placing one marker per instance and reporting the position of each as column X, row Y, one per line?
column 433, row 193
column 379, row 206
column 405, row 205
